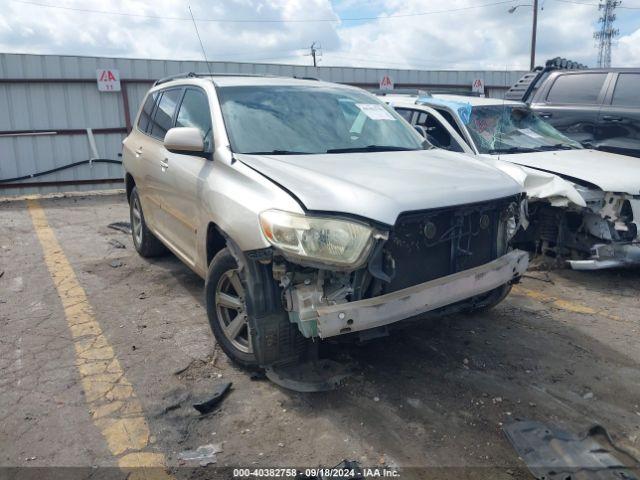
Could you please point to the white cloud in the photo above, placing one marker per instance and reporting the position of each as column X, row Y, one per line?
column 627, row 52
column 481, row 38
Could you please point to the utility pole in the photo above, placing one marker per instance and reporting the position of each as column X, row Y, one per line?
column 313, row 54
column 534, row 31
column 607, row 33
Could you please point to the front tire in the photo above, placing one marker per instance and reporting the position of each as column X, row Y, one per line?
column 227, row 309
column 493, row 299
column 146, row 243
column 244, row 306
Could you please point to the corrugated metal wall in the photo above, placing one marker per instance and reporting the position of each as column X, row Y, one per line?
column 47, row 103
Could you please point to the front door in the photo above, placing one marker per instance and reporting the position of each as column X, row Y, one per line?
column 619, row 121
column 187, row 174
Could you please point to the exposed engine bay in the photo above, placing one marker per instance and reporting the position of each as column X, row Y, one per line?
column 601, row 234
column 420, row 248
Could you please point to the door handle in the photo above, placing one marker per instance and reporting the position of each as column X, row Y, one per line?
column 546, row 114
column 138, row 152
column 164, row 163
column 610, row 118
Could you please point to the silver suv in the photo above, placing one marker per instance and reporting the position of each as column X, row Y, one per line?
column 313, row 210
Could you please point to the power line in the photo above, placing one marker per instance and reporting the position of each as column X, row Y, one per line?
column 261, row 20
column 573, row 2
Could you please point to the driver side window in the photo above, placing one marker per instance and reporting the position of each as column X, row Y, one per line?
column 194, row 112
column 437, row 134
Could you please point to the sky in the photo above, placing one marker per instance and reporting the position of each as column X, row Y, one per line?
column 420, row 34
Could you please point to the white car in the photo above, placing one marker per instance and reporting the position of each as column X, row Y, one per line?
column 584, row 205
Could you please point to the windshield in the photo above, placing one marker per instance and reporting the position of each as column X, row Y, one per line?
column 311, row 119
column 514, row 129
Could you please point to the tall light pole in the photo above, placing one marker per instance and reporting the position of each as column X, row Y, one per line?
column 534, row 30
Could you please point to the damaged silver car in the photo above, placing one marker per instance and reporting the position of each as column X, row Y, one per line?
column 584, row 205
column 313, row 211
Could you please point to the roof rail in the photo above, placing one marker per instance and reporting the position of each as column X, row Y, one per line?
column 178, row 76
column 426, row 91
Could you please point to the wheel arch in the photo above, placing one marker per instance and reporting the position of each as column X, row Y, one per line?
column 129, row 184
column 215, row 240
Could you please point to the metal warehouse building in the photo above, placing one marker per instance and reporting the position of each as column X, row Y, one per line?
column 53, row 114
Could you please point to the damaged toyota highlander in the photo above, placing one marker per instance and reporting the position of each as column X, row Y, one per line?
column 312, row 211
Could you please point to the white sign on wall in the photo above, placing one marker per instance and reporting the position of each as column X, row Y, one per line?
column 108, row 80
column 477, row 86
column 386, row 83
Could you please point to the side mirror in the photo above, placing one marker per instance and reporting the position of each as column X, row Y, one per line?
column 421, row 130
column 185, row 140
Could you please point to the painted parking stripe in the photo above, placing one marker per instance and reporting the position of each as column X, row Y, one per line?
column 113, row 405
column 561, row 304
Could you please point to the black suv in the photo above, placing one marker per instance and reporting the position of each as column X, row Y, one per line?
column 600, row 108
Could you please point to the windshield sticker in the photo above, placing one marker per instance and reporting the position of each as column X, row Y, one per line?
column 374, row 112
column 530, row 133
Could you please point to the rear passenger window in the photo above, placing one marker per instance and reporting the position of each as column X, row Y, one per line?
column 579, row 88
column 194, row 112
column 163, row 118
column 627, row 92
column 147, row 110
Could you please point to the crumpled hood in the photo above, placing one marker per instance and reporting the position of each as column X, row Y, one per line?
column 541, row 185
column 381, row 185
column 608, row 171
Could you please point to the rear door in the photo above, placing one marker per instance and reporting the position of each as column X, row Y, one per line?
column 572, row 103
column 618, row 128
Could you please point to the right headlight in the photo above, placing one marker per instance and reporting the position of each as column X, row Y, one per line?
column 511, row 219
column 320, row 239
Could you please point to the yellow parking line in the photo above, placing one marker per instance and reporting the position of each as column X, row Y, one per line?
column 114, row 408
column 562, row 304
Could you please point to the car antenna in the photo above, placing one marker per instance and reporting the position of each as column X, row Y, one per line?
column 204, row 54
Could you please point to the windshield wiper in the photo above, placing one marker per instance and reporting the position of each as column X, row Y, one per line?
column 557, row 146
column 513, row 150
column 371, row 148
column 278, row 152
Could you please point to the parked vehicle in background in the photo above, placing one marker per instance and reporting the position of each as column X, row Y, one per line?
column 584, row 205
column 600, row 108
column 312, row 211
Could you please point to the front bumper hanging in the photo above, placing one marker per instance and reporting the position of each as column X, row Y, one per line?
column 609, row 256
column 408, row 302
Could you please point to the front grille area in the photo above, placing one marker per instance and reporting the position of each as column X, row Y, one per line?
column 431, row 244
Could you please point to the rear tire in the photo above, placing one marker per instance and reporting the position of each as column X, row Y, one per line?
column 146, row 243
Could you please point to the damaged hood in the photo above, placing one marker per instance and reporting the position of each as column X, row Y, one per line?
column 607, row 171
column 381, row 185
column 541, row 185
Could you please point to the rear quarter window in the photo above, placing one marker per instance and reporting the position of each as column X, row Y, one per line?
column 577, row 88
column 147, row 111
